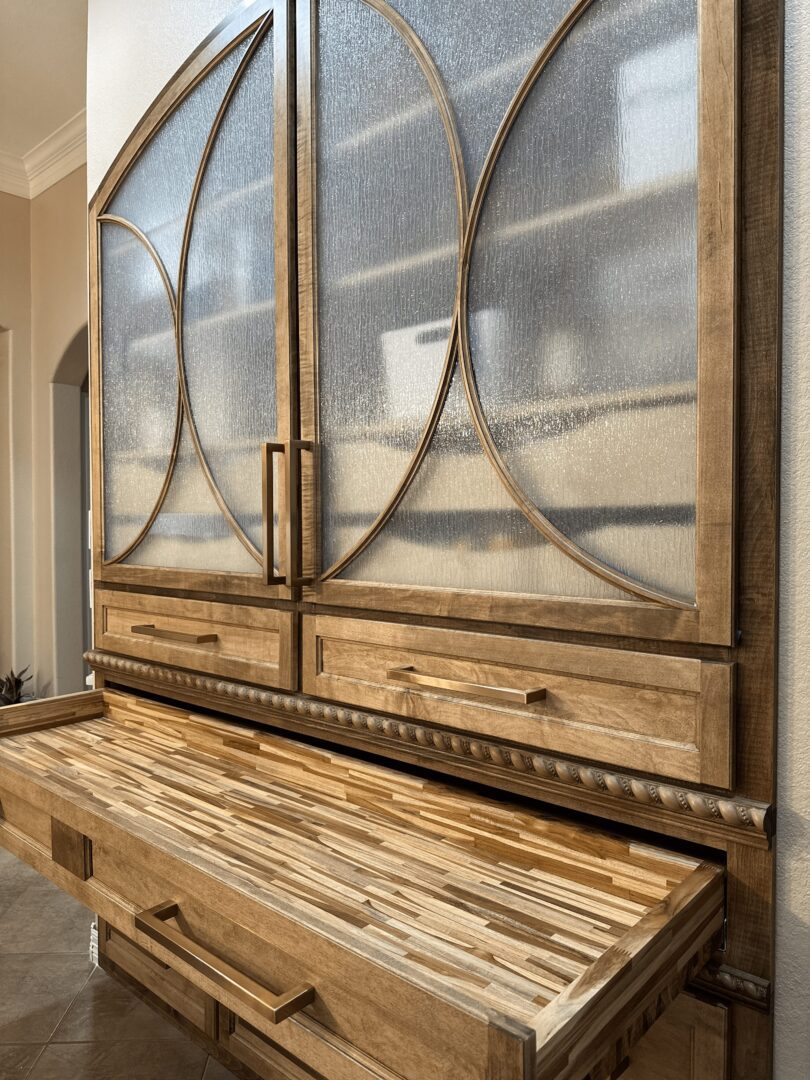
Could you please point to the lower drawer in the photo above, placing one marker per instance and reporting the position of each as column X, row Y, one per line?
column 254, row 644
column 161, row 979
column 666, row 715
column 365, row 923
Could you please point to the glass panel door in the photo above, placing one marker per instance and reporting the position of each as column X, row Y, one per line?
column 194, row 365
column 505, row 253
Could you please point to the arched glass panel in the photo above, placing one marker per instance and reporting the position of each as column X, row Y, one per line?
column 583, row 291
column 387, row 249
column 228, row 320
column 138, row 384
column 155, row 193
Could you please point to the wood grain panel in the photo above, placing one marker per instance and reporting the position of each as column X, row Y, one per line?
column 431, row 920
column 659, row 714
column 690, row 1042
column 257, row 642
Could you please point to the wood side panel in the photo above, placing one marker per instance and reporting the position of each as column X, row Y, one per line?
column 51, row 712
column 182, row 996
column 651, row 713
column 71, row 850
column 689, row 1042
column 256, row 642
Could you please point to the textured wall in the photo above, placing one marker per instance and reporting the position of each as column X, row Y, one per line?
column 793, row 866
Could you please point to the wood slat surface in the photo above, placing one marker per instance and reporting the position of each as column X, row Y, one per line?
column 505, row 904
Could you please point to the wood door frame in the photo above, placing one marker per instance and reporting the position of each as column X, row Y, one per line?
column 248, row 19
column 647, row 614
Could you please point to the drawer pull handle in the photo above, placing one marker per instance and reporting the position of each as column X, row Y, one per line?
column 150, row 630
column 411, row 677
column 273, row 1007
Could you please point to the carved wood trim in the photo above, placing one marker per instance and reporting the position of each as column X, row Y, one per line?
column 740, row 814
column 727, row 982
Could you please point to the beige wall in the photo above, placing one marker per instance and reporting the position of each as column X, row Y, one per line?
column 16, row 586
column 43, row 361
column 58, row 316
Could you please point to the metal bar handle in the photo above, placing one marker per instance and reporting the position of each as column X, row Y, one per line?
column 150, row 630
column 294, row 571
column 272, row 1007
column 268, row 503
column 411, row 677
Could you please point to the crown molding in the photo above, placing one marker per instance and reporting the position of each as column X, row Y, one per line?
column 13, row 177
column 48, row 162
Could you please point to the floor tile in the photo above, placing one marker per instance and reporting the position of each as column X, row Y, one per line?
column 106, row 1011
column 215, row 1071
column 16, row 1061
column 15, row 878
column 43, row 919
column 153, row 1060
column 36, row 990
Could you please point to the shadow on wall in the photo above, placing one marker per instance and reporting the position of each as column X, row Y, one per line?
column 69, row 505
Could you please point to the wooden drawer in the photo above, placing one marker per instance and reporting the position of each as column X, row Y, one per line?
column 369, row 923
column 641, row 711
column 254, row 644
column 689, row 1042
column 180, row 994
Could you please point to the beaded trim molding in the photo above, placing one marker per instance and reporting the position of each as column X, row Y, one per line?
column 733, row 812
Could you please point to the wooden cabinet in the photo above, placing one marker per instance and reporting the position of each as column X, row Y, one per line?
column 435, row 398
column 390, row 914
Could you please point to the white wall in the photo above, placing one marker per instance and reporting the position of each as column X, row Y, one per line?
column 793, row 857
column 133, row 51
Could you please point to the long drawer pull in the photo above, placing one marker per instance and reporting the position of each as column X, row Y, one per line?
column 273, row 1007
column 150, row 630
column 411, row 677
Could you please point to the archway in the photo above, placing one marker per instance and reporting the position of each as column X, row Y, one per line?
column 69, row 512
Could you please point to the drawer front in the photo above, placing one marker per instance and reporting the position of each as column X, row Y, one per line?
column 659, row 714
column 253, row 644
column 163, row 981
column 298, row 1051
column 689, row 1042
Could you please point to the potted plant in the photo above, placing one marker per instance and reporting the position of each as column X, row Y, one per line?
column 11, row 687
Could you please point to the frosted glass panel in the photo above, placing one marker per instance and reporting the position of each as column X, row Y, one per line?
column 458, row 528
column 156, row 191
column 583, row 291
column 483, row 51
column 228, row 309
column 139, row 385
column 190, row 532
column 387, row 234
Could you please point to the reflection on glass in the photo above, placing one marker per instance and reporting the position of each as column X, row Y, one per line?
column 458, row 528
column 482, row 51
column 229, row 297
column 190, row 532
column 139, row 385
column 155, row 193
column 587, row 249
column 388, row 239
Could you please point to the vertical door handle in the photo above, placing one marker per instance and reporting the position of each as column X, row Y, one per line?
column 291, row 449
column 269, row 575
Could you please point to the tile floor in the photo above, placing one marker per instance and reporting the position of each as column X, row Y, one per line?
column 61, row 1018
